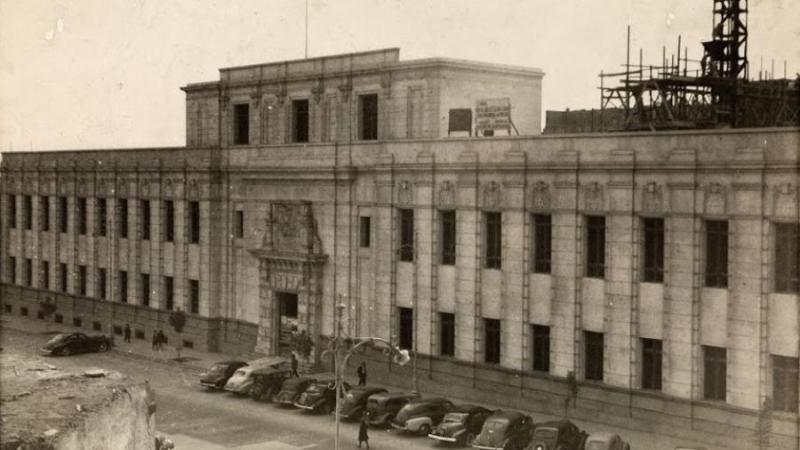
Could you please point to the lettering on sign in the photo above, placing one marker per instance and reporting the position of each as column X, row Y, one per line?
column 282, row 281
column 493, row 114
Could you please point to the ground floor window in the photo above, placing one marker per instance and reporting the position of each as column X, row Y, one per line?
column 593, row 355
column 714, row 373
column 651, row 364
column 406, row 325
column 491, row 328
column 784, row 383
column 447, row 328
column 541, row 347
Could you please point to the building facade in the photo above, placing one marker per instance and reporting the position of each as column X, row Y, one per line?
column 652, row 276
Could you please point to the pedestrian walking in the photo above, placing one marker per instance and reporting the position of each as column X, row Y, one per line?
column 155, row 340
column 294, row 366
column 362, row 433
column 127, row 333
column 362, row 374
column 159, row 339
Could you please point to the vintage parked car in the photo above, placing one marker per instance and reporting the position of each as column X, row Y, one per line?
column 557, row 435
column 355, row 401
column 320, row 396
column 267, row 382
column 605, row 441
column 504, row 430
column 291, row 390
column 421, row 415
column 220, row 373
column 461, row 424
column 71, row 343
column 242, row 380
column 382, row 407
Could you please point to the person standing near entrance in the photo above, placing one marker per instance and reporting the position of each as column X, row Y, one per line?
column 294, row 366
column 362, row 374
column 127, row 333
column 362, row 433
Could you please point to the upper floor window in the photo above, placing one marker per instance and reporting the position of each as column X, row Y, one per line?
column 542, row 243
column 595, row 247
column 44, row 213
column 12, row 211
column 122, row 220
column 63, row 215
column 406, row 235
column 82, row 215
column 448, row 233
column 653, row 250
column 194, row 296
column 169, row 220
column 241, row 124
column 494, row 240
column 27, row 212
column 364, row 229
column 12, row 269
column 194, row 222
column 787, row 257
column 102, row 216
column 145, row 208
column 238, row 224
column 300, row 120
column 717, row 253
column 368, row 117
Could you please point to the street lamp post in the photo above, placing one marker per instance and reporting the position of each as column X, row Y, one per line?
column 341, row 355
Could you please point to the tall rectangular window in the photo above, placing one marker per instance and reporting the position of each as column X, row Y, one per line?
column 406, row 325
column 102, row 290
column 169, row 293
column 145, row 209
column 784, row 383
column 717, row 253
column 194, row 296
column 63, row 215
column 194, row 222
column 63, row 277
column 447, row 334
column 595, row 246
column 82, row 280
column 81, row 215
column 541, row 347
column 12, row 269
column 123, row 286
column 491, row 340
column 447, row 219
column 144, row 282
column 494, row 240
column 45, row 281
column 12, row 211
column 300, row 121
column 364, row 230
column 593, row 355
column 27, row 212
column 169, row 221
column 715, row 362
column 122, row 220
column 241, row 124
column 787, row 257
column 238, row 224
column 651, row 364
column 44, row 213
column 653, row 250
column 406, row 235
column 101, row 208
column 28, row 272
column 368, row 109
column 542, row 243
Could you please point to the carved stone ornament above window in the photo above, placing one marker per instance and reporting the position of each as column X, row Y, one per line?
column 715, row 199
column 785, row 200
column 652, row 198
column 540, row 196
column 492, row 195
column 447, row 194
column 593, row 196
column 404, row 193
column 192, row 190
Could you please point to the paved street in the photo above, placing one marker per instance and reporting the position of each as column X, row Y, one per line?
column 200, row 420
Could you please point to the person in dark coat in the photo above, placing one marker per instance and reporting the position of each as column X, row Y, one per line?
column 155, row 340
column 294, row 366
column 362, row 374
column 362, row 433
column 127, row 333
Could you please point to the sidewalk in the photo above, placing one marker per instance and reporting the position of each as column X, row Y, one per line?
column 201, row 361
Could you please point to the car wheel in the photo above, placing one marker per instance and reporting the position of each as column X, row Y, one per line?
column 256, row 392
column 326, row 408
column 103, row 347
column 468, row 438
column 424, row 429
column 65, row 351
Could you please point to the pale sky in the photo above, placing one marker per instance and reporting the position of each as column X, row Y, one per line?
column 78, row 74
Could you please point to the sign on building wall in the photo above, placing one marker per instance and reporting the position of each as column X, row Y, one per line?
column 493, row 114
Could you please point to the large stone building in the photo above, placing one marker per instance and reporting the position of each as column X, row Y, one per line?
column 657, row 270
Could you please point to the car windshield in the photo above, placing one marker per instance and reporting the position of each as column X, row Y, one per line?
column 57, row 338
column 240, row 373
column 496, row 424
column 455, row 418
column 545, row 433
column 217, row 368
column 596, row 445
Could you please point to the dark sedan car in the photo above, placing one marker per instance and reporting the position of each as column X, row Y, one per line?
column 381, row 408
column 71, row 343
column 219, row 373
column 355, row 401
column 421, row 415
column 291, row 390
column 267, row 382
column 557, row 435
column 504, row 430
column 320, row 396
column 461, row 425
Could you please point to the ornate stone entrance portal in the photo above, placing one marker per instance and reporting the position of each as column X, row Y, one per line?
column 290, row 273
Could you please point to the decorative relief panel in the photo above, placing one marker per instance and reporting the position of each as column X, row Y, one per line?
column 492, row 195
column 291, row 228
column 122, row 188
column 192, row 190
column 541, row 196
column 447, row 194
column 785, row 200
column 593, row 196
column 714, row 199
column 652, row 198
column 404, row 193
